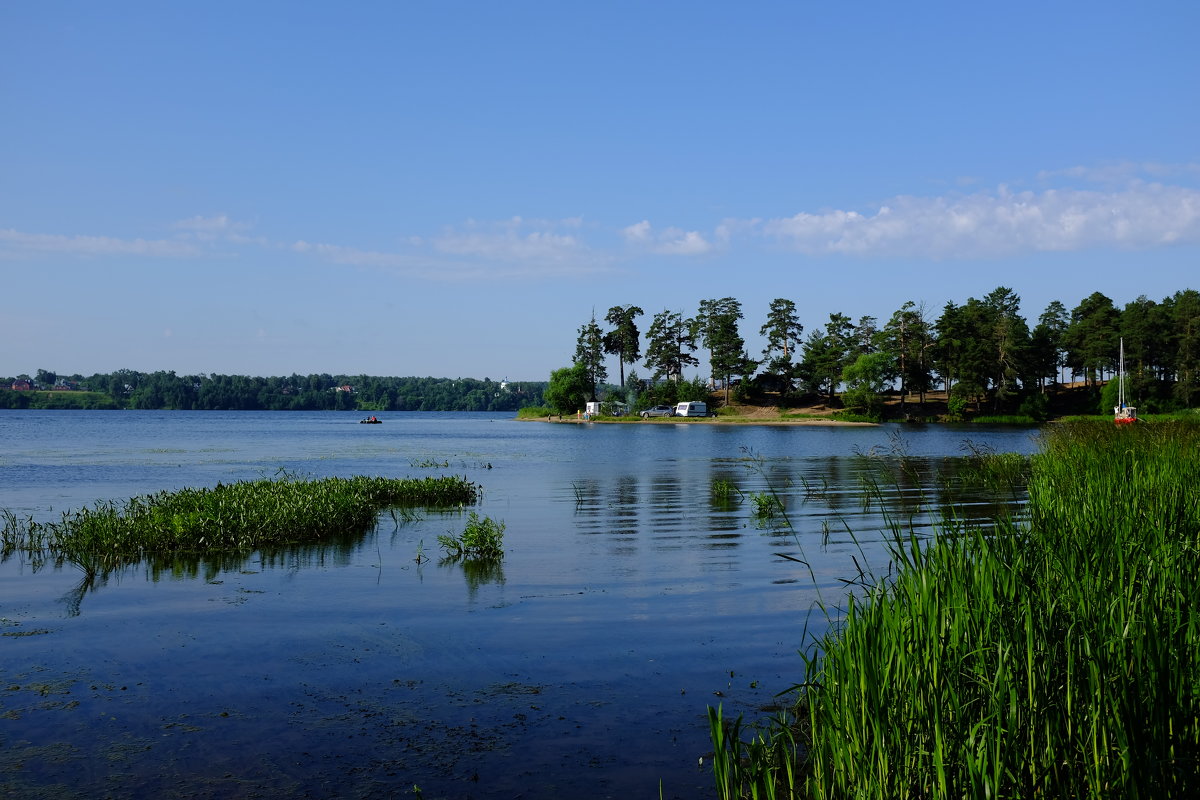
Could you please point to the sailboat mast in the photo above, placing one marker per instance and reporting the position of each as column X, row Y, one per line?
column 1123, row 414
column 1121, row 377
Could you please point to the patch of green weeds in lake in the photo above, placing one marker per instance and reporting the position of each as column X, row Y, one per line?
column 482, row 539
column 227, row 518
column 766, row 505
column 428, row 463
column 724, row 493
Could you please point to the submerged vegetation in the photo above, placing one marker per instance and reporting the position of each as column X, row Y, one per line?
column 1053, row 657
column 228, row 517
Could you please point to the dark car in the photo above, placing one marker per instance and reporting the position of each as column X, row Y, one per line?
column 659, row 411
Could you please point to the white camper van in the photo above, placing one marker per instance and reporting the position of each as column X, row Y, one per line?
column 692, row 409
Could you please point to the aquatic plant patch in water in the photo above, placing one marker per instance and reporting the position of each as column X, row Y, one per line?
column 1056, row 658
column 227, row 517
column 481, row 539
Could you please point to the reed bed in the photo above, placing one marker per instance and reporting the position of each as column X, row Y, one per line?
column 1057, row 657
column 228, row 517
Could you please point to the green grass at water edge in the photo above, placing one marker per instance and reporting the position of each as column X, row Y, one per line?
column 849, row 416
column 1191, row 415
column 229, row 517
column 48, row 400
column 1057, row 658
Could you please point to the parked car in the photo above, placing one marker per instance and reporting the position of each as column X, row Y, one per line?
column 659, row 411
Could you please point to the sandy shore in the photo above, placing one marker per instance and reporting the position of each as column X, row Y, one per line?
column 744, row 415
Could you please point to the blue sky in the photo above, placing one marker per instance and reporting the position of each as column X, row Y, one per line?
column 450, row 189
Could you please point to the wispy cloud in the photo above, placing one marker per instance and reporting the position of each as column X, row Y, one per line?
column 15, row 242
column 218, row 224
column 514, row 248
column 217, row 229
column 1000, row 223
column 1127, row 212
column 515, row 240
column 1122, row 172
column 668, row 241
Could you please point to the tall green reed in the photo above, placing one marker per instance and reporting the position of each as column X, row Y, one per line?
column 1053, row 657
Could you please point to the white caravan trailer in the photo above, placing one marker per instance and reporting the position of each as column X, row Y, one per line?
column 692, row 409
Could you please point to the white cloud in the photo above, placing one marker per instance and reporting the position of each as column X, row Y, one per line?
column 207, row 224
column 1000, row 223
column 503, row 253
column 637, row 232
column 682, row 243
column 668, row 241
column 1126, row 212
column 18, row 242
column 510, row 246
column 536, row 244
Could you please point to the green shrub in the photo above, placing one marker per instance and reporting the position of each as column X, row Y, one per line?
column 956, row 408
column 1036, row 406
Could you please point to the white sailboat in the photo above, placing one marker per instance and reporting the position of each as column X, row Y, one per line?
column 1123, row 414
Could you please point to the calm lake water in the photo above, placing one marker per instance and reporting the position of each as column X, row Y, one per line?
column 629, row 600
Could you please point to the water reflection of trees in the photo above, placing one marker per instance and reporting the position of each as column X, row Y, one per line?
column 834, row 501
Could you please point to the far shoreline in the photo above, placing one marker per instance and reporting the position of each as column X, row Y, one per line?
column 580, row 420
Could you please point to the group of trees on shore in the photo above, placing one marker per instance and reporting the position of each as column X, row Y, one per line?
column 981, row 352
column 166, row 390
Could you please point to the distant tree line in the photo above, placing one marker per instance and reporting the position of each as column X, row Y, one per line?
column 981, row 352
column 166, row 390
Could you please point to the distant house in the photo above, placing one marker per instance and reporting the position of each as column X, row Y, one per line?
column 346, row 388
column 22, row 386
